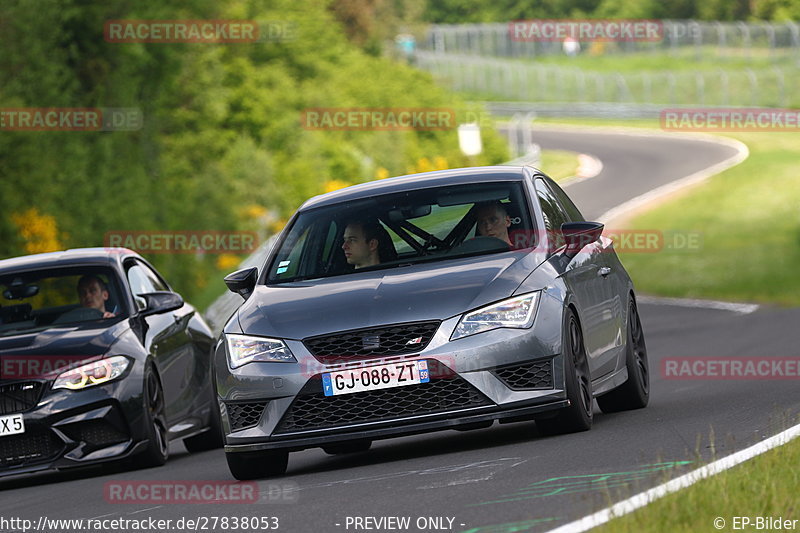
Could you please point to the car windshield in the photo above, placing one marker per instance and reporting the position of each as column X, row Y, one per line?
column 40, row 299
column 387, row 231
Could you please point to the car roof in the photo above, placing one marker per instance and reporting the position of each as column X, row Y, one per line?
column 417, row 181
column 77, row 256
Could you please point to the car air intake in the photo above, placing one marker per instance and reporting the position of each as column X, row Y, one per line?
column 244, row 415
column 36, row 445
column 527, row 376
column 313, row 410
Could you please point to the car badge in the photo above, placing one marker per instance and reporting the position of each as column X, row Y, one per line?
column 371, row 342
column 417, row 340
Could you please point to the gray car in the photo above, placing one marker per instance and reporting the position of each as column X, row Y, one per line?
column 443, row 300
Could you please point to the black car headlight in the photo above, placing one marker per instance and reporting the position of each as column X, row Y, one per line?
column 516, row 312
column 94, row 373
column 243, row 349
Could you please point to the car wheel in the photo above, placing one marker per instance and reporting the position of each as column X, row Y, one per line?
column 635, row 392
column 353, row 446
column 157, row 449
column 211, row 438
column 577, row 379
column 245, row 466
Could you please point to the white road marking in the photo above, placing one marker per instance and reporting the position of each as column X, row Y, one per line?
column 638, row 202
column 644, row 498
column 740, row 308
column 589, row 167
column 448, row 469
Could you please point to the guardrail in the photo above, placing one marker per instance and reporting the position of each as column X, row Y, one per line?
column 716, row 39
column 511, row 79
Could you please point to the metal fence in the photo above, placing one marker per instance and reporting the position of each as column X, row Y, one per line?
column 510, row 79
column 709, row 39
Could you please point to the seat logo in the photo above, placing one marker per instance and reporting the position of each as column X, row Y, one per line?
column 371, row 342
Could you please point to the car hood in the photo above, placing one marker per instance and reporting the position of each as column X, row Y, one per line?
column 59, row 344
column 426, row 291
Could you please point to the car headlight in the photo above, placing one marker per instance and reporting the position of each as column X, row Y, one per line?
column 517, row 312
column 243, row 349
column 94, row 373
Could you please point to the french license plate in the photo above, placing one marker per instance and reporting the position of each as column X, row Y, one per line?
column 11, row 425
column 375, row 377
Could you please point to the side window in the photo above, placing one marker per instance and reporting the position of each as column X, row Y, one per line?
column 289, row 264
column 155, row 279
column 573, row 214
column 553, row 214
column 142, row 280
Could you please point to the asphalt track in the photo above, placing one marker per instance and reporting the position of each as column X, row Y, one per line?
column 506, row 474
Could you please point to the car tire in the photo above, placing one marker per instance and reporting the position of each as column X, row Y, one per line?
column 578, row 383
column 210, row 439
column 245, row 466
column 353, row 446
column 157, row 450
column 635, row 392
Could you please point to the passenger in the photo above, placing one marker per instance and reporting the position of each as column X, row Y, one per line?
column 93, row 293
column 493, row 221
column 367, row 243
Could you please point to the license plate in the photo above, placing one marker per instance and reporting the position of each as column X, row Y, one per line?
column 11, row 425
column 375, row 377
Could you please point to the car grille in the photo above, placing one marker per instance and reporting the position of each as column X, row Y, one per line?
column 355, row 345
column 34, row 446
column 244, row 415
column 317, row 411
column 527, row 376
column 19, row 397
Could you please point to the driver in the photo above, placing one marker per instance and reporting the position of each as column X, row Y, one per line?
column 366, row 243
column 493, row 221
column 93, row 293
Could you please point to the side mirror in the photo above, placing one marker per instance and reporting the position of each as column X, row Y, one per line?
column 579, row 234
column 160, row 302
column 242, row 282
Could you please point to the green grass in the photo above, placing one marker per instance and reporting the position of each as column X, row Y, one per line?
column 559, row 164
column 764, row 486
column 748, row 219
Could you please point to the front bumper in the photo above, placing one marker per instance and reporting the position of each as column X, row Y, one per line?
column 281, row 405
column 67, row 429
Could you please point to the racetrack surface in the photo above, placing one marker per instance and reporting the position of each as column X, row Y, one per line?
column 507, row 473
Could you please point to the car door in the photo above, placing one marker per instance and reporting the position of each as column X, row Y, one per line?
column 582, row 275
column 168, row 339
column 605, row 289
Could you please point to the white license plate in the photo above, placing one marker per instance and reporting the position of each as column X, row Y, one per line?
column 375, row 377
column 11, row 425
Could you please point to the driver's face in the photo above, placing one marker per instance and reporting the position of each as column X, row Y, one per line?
column 492, row 223
column 92, row 295
column 357, row 250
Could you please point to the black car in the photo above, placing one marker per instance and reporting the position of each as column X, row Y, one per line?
column 99, row 360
